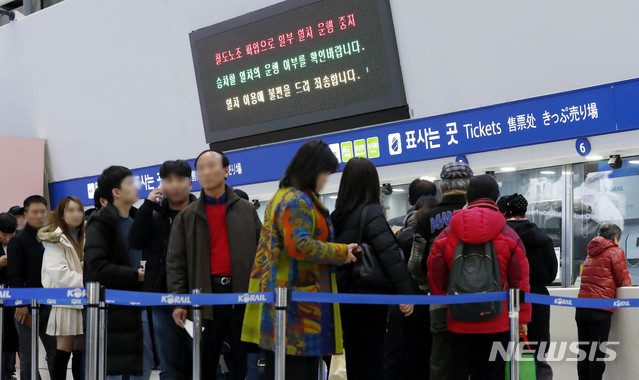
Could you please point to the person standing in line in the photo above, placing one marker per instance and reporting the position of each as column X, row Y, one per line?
column 63, row 241
column 18, row 213
column 8, row 227
column 296, row 250
column 603, row 272
column 109, row 260
column 150, row 233
column 477, row 250
column 24, row 256
column 359, row 217
column 408, row 340
column 212, row 247
column 543, row 270
column 455, row 177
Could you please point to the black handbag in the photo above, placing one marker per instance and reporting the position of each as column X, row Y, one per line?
column 367, row 270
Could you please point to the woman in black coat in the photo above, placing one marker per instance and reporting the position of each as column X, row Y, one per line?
column 365, row 325
column 543, row 270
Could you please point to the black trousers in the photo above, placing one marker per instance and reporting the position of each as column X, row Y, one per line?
column 593, row 327
column 364, row 332
column 297, row 367
column 225, row 326
column 471, row 353
column 407, row 345
column 539, row 331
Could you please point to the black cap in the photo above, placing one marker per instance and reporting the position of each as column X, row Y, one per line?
column 16, row 210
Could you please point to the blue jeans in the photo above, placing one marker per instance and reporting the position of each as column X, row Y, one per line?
column 172, row 344
column 147, row 357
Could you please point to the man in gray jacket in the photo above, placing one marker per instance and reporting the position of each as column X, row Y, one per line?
column 212, row 248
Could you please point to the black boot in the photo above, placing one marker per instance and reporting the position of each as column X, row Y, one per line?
column 60, row 362
column 77, row 364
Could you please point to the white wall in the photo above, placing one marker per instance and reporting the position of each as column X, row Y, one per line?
column 112, row 82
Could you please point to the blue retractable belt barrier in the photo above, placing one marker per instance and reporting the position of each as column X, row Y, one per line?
column 77, row 296
column 386, row 299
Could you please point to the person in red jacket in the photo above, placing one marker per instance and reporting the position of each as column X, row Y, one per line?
column 603, row 272
column 478, row 223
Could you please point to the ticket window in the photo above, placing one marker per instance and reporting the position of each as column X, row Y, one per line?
column 394, row 204
column 600, row 195
column 543, row 189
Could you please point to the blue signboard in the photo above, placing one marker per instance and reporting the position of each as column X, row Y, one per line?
column 588, row 112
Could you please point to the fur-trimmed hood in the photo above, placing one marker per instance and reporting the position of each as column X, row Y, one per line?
column 51, row 234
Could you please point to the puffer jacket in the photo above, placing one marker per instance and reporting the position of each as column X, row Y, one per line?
column 604, row 270
column 479, row 223
column 380, row 237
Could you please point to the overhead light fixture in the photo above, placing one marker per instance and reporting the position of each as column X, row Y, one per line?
column 547, row 172
column 508, row 169
column 399, row 190
column 431, row 179
column 594, row 158
column 333, row 196
column 634, row 162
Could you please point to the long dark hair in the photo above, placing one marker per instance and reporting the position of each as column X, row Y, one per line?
column 359, row 185
column 311, row 159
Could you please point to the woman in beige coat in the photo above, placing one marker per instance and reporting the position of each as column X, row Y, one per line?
column 63, row 240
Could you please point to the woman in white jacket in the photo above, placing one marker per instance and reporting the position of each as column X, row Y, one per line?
column 63, row 240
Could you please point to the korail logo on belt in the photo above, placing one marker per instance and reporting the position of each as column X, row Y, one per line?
column 76, row 293
column 171, row 299
column 251, row 297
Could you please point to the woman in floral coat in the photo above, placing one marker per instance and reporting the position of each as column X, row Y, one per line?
column 296, row 251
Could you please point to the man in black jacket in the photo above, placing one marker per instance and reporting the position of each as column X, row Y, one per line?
column 24, row 256
column 150, row 232
column 110, row 260
column 541, row 256
column 455, row 179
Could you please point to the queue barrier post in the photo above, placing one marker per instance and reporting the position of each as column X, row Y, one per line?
column 513, row 348
column 92, row 333
column 197, row 339
column 102, row 336
column 281, row 305
column 35, row 321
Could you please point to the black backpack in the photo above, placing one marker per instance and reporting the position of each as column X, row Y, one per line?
column 475, row 269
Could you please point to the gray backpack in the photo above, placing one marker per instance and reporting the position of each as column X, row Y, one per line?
column 475, row 269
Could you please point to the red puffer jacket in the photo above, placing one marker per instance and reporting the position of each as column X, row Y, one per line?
column 479, row 223
column 604, row 270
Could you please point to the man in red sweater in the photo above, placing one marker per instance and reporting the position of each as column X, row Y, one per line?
column 478, row 223
column 212, row 247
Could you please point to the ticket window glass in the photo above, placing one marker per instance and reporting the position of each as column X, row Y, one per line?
column 395, row 204
column 543, row 189
column 605, row 195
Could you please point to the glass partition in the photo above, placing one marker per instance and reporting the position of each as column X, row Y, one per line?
column 543, row 189
column 600, row 195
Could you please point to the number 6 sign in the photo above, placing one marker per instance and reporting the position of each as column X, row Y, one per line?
column 583, row 147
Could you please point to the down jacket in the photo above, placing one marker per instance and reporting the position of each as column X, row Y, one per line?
column 381, row 238
column 604, row 270
column 479, row 223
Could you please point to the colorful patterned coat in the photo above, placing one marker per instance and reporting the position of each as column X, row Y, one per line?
column 294, row 251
